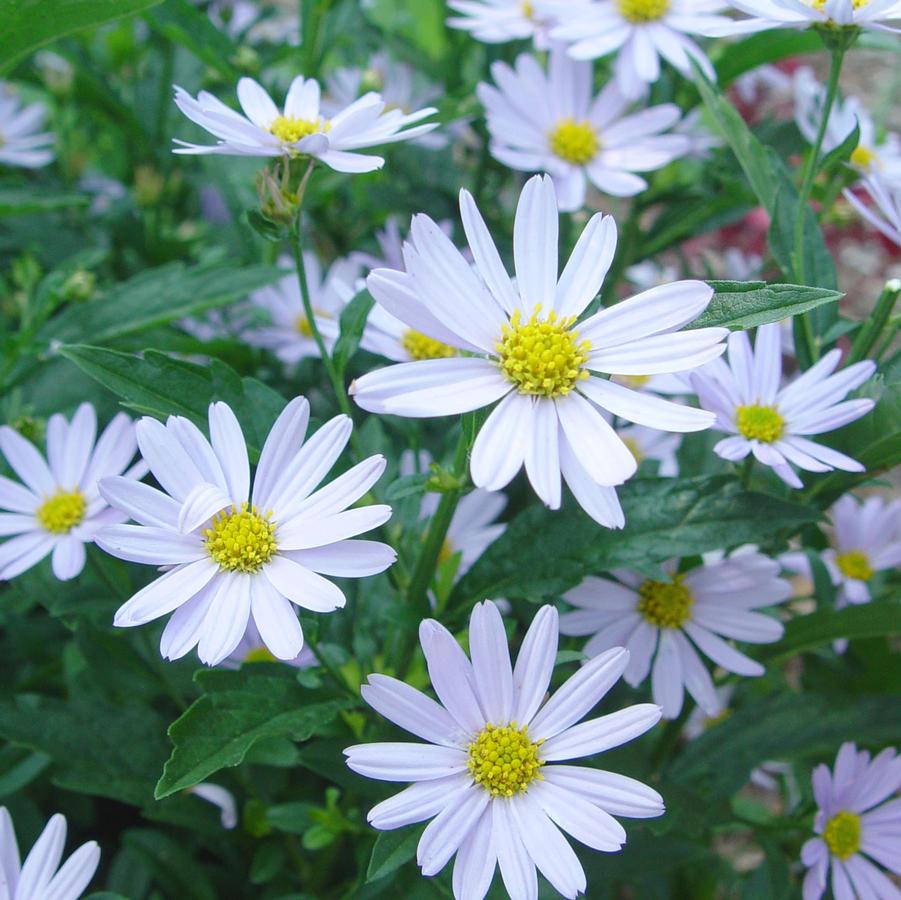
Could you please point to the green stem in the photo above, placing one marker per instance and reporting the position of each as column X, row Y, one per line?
column 160, row 668
column 747, row 467
column 872, row 329
column 329, row 667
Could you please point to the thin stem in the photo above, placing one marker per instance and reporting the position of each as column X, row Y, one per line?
column 747, row 468
column 871, row 330
column 329, row 667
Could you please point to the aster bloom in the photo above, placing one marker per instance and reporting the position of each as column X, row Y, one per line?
column 769, row 421
column 40, row 877
column 886, row 217
column 769, row 14
column 855, row 827
column 289, row 336
column 22, row 143
column 550, row 123
column 882, row 157
column 300, row 129
column 525, row 349
column 648, row 443
column 499, row 21
column 667, row 622
column 701, row 140
column 231, row 551
column 58, row 508
column 641, row 32
column 488, row 776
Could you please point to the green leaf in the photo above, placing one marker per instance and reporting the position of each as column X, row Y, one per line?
column 22, row 201
column 747, row 304
column 353, row 321
column 843, row 151
column 158, row 385
column 29, row 24
column 766, row 47
column 237, row 710
column 172, row 864
column 821, row 628
column 156, row 297
column 664, row 518
column 392, row 849
column 690, row 217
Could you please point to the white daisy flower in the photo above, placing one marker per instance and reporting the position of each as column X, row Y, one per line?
column 22, row 143
column 649, row 443
column 641, row 32
column 222, row 799
column 855, row 827
column 488, row 777
column 300, row 129
column 742, row 266
column 769, row 14
column 41, row 877
column 886, row 217
column 701, row 140
column 865, row 538
column 761, row 83
column 289, row 336
column 58, row 508
column 524, row 348
column 769, row 421
column 230, row 551
column 551, row 123
column 664, row 621
column 870, row 155
column 499, row 21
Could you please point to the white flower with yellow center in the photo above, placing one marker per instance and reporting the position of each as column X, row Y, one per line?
column 882, row 157
column 664, row 621
column 641, row 32
column 289, row 336
column 648, row 443
column 22, row 143
column 41, row 877
column 300, row 129
column 58, row 508
column 522, row 346
column 231, row 551
column 886, row 197
column 855, row 827
column 489, row 777
column 770, row 421
column 499, row 21
column 769, row 14
column 551, row 123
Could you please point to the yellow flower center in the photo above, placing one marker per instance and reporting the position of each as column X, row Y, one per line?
column 576, row 142
column 446, row 552
column 260, row 655
column 634, row 449
column 854, row 564
column 60, row 513
column 241, row 540
column 842, row 834
column 665, row 604
column 290, row 130
column 762, row 423
column 643, row 10
column 542, row 357
column 862, row 156
column 504, row 759
column 527, row 9
column 421, row 346
column 632, row 381
column 302, row 323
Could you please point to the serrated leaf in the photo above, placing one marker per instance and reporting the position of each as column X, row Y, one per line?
column 237, row 710
column 391, row 850
column 747, row 304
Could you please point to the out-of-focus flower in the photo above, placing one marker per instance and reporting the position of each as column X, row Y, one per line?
column 701, row 140
column 770, row 421
column 301, row 129
column 22, row 142
column 550, row 123
column 499, row 21
column 769, row 14
column 886, row 217
column 649, row 443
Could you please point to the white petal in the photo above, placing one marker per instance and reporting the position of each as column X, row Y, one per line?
column 203, row 501
column 141, row 502
column 75, row 874
column 43, row 859
column 411, row 710
column 418, row 802
column 184, row 628
column 16, row 498
column 22, row 552
column 302, row 533
column 584, row 273
column 491, row 662
column 27, row 463
column 282, row 444
column 597, row 735
column 475, row 862
column 499, row 448
column 228, row 444
column 535, row 236
column 542, row 453
column 405, row 762
column 168, row 592
column 275, row 620
column 79, row 444
column 68, row 557
column 615, row 794
column 580, row 818
column 517, row 868
column 344, row 491
column 346, row 559
column 444, row 834
column 152, row 546
column 484, row 252
column 721, row 653
column 535, row 664
column 666, row 676
column 695, row 676
column 661, row 354
column 303, row 587
column 644, row 408
column 599, row 501
column 256, row 103
column 226, row 619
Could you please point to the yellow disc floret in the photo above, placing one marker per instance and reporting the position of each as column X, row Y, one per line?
column 241, row 540
column 842, row 834
column 421, row 346
column 60, row 513
column 634, row 448
column 863, row 157
column 665, row 604
column 290, row 130
column 542, row 357
column 260, row 655
column 854, row 564
column 576, row 142
column 504, row 759
column 761, row 423
column 643, row 10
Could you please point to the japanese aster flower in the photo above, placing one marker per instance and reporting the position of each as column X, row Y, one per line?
column 524, row 348
column 886, row 217
column 22, row 143
column 58, row 508
column 769, row 421
column 641, row 32
column 232, row 552
column 667, row 622
column 488, row 777
column 769, row 14
column 289, row 336
column 41, row 877
column 551, row 123
column 299, row 129
column 499, row 21
column 855, row 827
column 648, row 443
column 870, row 155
